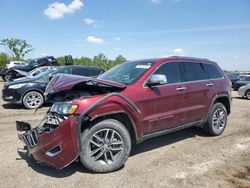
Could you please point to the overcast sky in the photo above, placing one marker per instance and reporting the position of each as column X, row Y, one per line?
column 214, row 29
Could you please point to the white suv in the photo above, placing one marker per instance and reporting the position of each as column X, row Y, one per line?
column 14, row 63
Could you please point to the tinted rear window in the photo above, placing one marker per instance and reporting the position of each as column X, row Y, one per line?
column 193, row 71
column 81, row 71
column 211, row 71
column 95, row 72
column 86, row 71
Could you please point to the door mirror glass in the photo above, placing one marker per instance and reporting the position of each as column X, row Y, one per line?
column 157, row 79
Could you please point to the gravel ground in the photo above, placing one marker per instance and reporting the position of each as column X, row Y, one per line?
column 187, row 158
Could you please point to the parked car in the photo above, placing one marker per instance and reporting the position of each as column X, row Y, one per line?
column 29, row 91
column 34, row 72
column 128, row 104
column 243, row 81
column 244, row 91
column 234, row 77
column 14, row 72
column 15, row 63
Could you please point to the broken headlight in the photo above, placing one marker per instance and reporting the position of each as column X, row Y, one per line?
column 64, row 108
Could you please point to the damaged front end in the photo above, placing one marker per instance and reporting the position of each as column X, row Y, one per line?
column 65, row 87
column 53, row 142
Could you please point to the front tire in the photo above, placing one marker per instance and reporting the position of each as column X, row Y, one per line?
column 217, row 120
column 33, row 100
column 105, row 146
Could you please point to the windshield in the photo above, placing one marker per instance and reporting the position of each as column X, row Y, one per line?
column 37, row 71
column 44, row 74
column 127, row 73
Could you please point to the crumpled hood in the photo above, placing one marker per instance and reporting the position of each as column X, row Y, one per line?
column 23, row 73
column 62, row 82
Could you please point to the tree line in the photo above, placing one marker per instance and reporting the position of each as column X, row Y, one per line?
column 16, row 49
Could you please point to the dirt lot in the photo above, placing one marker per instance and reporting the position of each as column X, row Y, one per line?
column 187, row 158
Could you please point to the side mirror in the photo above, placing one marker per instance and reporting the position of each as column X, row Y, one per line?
column 157, row 79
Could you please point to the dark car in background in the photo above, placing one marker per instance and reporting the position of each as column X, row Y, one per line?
column 244, row 80
column 18, row 71
column 234, row 77
column 30, row 91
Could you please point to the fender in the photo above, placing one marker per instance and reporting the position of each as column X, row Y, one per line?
column 117, row 109
column 32, row 89
column 214, row 99
column 92, row 107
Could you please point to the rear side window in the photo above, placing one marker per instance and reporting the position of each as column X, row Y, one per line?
column 171, row 71
column 94, row 72
column 211, row 71
column 193, row 71
column 81, row 71
column 66, row 70
column 247, row 79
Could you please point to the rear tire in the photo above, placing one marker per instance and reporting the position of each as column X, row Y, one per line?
column 248, row 94
column 217, row 120
column 105, row 146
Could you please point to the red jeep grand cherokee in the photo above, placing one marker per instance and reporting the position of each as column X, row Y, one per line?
column 132, row 102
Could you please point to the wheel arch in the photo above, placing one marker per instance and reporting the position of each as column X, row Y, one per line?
column 31, row 90
column 248, row 90
column 224, row 99
column 121, row 116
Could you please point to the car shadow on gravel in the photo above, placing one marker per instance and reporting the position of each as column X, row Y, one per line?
column 151, row 144
column 50, row 171
column 241, row 98
column 12, row 106
column 167, row 139
column 19, row 106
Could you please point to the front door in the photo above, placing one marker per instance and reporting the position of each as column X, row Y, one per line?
column 164, row 105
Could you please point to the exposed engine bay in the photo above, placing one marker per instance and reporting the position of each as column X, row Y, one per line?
column 82, row 90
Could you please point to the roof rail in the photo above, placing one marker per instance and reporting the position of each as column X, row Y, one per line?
column 191, row 58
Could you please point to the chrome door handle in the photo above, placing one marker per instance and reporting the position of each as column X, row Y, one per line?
column 181, row 88
column 210, row 84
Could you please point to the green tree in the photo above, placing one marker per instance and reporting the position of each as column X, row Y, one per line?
column 4, row 59
column 18, row 48
column 120, row 59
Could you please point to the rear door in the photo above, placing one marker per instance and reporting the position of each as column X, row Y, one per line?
column 164, row 105
column 199, row 90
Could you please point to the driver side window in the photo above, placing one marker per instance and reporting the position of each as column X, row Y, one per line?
column 171, row 71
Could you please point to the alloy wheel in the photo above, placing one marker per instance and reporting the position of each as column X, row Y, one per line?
column 33, row 100
column 105, row 146
column 219, row 119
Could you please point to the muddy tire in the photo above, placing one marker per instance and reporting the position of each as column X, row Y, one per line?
column 106, row 146
column 217, row 120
